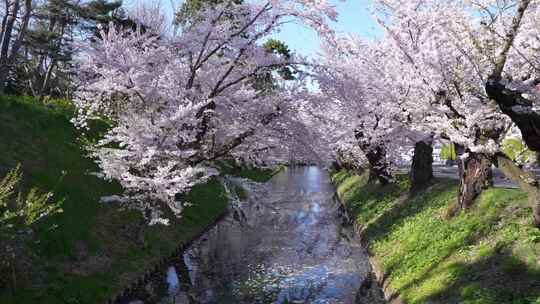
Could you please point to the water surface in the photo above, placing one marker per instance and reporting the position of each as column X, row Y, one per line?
column 284, row 244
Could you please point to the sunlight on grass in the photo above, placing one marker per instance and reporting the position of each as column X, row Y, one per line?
column 489, row 254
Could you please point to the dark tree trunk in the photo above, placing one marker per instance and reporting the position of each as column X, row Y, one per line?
column 4, row 20
column 9, row 48
column 475, row 176
column 16, row 45
column 422, row 165
column 519, row 109
column 378, row 170
column 376, row 157
column 527, row 181
column 336, row 166
column 7, row 32
column 46, row 81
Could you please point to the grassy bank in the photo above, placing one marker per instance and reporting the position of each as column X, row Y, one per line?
column 229, row 167
column 490, row 254
column 91, row 250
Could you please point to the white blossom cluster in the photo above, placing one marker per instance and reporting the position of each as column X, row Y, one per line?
column 427, row 75
column 178, row 102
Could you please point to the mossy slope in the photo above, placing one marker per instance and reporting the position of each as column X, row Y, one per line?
column 95, row 249
column 490, row 254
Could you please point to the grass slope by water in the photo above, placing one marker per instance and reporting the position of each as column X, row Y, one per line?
column 489, row 254
column 94, row 250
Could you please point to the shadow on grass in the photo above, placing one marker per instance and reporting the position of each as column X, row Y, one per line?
column 433, row 259
column 91, row 250
column 497, row 278
column 397, row 206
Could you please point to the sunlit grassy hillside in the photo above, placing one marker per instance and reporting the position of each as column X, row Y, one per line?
column 490, row 254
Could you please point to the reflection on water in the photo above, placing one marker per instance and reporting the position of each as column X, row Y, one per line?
column 283, row 245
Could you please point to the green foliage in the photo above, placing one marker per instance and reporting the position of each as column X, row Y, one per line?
column 257, row 175
column 187, row 13
column 99, row 11
column 240, row 192
column 41, row 138
column 19, row 215
column 7, row 186
column 229, row 167
column 517, row 151
column 486, row 255
column 23, row 211
column 45, row 66
column 371, row 200
column 226, row 167
column 263, row 81
column 205, row 200
column 448, row 152
column 280, row 48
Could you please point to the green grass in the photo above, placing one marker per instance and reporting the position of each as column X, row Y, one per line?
column 490, row 254
column 448, row 152
column 516, row 150
column 240, row 192
column 44, row 142
column 229, row 167
column 92, row 253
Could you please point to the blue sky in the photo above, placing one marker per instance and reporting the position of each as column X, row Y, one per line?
column 354, row 16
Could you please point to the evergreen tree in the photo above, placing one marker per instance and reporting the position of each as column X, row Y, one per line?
column 37, row 50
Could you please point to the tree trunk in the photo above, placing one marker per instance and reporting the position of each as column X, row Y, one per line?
column 378, row 170
column 519, row 109
column 46, row 80
column 8, row 54
column 3, row 77
column 475, row 176
column 336, row 166
column 527, row 181
column 44, row 89
column 4, row 20
column 512, row 102
column 6, row 40
column 8, row 26
column 422, row 165
column 16, row 45
column 376, row 157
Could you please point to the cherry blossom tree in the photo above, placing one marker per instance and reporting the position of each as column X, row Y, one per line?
column 463, row 71
column 360, row 91
column 514, row 77
column 513, row 85
column 178, row 103
column 442, row 53
column 472, row 65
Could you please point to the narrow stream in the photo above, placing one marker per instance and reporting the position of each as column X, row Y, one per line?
column 284, row 244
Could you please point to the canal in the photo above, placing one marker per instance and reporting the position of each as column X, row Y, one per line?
column 285, row 243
